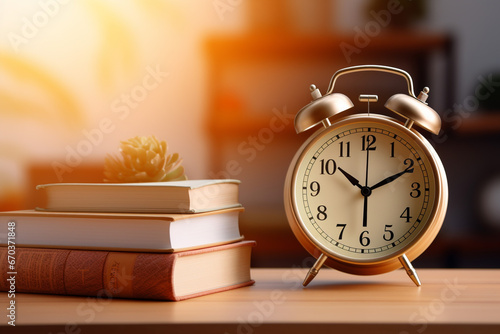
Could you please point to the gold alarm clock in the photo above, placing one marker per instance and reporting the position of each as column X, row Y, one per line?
column 366, row 194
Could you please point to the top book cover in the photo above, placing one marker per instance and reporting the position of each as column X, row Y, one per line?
column 188, row 196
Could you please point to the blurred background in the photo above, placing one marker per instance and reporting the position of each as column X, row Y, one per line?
column 220, row 81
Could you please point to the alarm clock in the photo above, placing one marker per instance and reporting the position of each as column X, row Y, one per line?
column 366, row 193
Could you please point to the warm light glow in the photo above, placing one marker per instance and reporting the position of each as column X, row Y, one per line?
column 78, row 77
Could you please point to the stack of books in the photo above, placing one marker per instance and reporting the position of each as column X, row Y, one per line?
column 159, row 240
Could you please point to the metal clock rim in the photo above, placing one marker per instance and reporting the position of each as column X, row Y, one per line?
column 391, row 261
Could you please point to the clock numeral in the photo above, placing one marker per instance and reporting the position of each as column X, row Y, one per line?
column 392, row 150
column 347, row 149
column 363, row 239
column 329, row 166
column 314, row 188
column 367, row 143
column 342, row 230
column 409, row 162
column 406, row 214
column 388, row 235
column 321, row 213
column 415, row 193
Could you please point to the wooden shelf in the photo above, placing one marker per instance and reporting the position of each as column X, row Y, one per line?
column 265, row 45
column 480, row 124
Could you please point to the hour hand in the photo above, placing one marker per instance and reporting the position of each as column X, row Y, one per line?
column 391, row 178
column 351, row 178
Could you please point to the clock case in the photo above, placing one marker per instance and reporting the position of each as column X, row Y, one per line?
column 412, row 251
column 414, row 110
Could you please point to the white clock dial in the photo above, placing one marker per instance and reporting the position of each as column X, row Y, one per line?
column 364, row 191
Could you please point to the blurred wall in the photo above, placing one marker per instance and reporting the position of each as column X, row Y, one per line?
column 79, row 76
column 474, row 25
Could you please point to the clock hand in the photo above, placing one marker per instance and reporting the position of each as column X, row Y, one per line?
column 366, row 191
column 365, row 209
column 367, row 160
column 391, row 178
column 351, row 178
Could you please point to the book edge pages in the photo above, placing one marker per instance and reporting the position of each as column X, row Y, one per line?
column 212, row 291
column 217, row 248
column 122, row 215
column 176, row 184
column 130, row 250
column 139, row 211
column 249, row 281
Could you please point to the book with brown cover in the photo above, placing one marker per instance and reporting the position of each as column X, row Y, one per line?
column 159, row 276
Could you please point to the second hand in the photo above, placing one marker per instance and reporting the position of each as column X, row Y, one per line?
column 365, row 203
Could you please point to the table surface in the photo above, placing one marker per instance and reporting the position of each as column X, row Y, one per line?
column 449, row 300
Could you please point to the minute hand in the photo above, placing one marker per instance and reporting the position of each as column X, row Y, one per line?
column 391, row 178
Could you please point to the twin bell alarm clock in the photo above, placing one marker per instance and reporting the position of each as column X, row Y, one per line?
column 366, row 193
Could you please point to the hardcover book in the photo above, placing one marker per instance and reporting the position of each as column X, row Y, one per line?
column 122, row 231
column 175, row 276
column 188, row 196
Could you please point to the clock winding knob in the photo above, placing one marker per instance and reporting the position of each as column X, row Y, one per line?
column 424, row 95
column 315, row 92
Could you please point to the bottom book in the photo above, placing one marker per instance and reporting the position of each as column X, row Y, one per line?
column 174, row 276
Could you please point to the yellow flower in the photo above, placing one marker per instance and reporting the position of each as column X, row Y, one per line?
column 143, row 159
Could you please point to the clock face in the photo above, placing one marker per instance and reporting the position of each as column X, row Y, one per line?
column 364, row 190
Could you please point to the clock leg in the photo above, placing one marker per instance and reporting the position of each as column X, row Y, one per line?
column 314, row 270
column 409, row 269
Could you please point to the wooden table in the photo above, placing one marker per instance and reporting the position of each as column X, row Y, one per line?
column 449, row 301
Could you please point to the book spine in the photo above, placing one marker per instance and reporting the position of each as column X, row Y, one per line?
column 91, row 273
